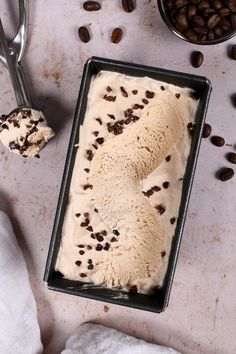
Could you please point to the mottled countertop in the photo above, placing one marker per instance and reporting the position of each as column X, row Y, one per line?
column 201, row 317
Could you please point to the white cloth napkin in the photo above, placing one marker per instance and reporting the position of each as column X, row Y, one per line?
column 92, row 338
column 19, row 329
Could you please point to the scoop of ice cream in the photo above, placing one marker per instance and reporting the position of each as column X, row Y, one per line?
column 25, row 132
column 117, row 169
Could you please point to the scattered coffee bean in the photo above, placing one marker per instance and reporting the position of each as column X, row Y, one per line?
column 99, row 247
column 109, row 98
column 77, row 215
column 128, row 5
column 99, row 120
column 206, row 130
column 172, row 221
column 160, row 208
column 96, row 133
column 78, row 263
column 166, row 185
column 84, row 34
column 117, row 35
column 197, row 59
column 87, row 221
column 83, row 275
column 231, row 156
column 134, row 92
column 233, row 52
column 225, row 174
column 168, row 158
column 217, row 141
column 81, row 252
column 91, row 6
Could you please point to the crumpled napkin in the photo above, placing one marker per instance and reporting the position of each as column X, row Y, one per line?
column 19, row 329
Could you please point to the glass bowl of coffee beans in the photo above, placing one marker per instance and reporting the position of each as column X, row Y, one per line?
column 200, row 21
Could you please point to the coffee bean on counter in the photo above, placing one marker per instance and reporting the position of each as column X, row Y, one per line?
column 206, row 130
column 116, row 35
column 128, row 5
column 91, row 6
column 233, row 52
column 197, row 59
column 84, row 34
column 231, row 157
column 225, row 174
column 217, row 141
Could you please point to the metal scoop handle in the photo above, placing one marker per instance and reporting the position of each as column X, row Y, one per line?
column 16, row 73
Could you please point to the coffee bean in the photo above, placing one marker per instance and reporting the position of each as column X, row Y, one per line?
column 197, row 59
column 201, row 30
column 208, row 12
column 198, row 21
column 192, row 11
column 210, row 35
column 218, row 31
column 206, row 130
column 224, row 24
column 180, row 3
column 224, row 12
column 232, row 5
column 218, row 141
column 225, row 174
column 231, row 156
column 91, row 6
column 233, row 52
column 232, row 18
column 170, row 4
column 84, row 34
column 128, row 5
column 117, row 35
column 217, row 4
column 191, row 35
column 195, row 1
column 213, row 21
column 204, row 4
column 182, row 21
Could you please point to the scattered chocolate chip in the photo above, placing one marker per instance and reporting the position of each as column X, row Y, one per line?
column 128, row 120
column 177, row 95
column 87, row 221
column 172, row 221
column 109, row 89
column 149, row 192
column 162, row 88
column 90, row 261
column 92, row 236
column 98, row 247
column 86, row 215
column 128, row 5
column 14, row 146
column 78, row 263
column 96, row 133
column 133, row 289
column 113, row 239
column 135, row 106
column 84, row 34
column 91, row 6
column 89, row 247
column 166, row 185
column 206, row 130
column 145, row 101
column 86, row 170
column 109, row 98
column 95, row 146
column 134, row 92
column 128, row 112
column 96, row 210
column 88, row 186
column 77, row 215
column 90, row 266
column 81, row 246
column 81, row 252
column 168, row 158
column 99, row 237
column 104, row 233
column 225, row 174
column 149, row 94
column 107, row 246
column 156, row 189
column 163, row 254
column 116, row 232
column 83, row 224
column 231, row 157
column 4, row 126
column 83, row 275
column 217, row 141
column 160, row 208
column 100, row 141
column 123, row 91
column 89, row 228
column 116, row 35
column 111, row 116
column 99, row 120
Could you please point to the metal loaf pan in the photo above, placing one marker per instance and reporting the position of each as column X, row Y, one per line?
column 159, row 301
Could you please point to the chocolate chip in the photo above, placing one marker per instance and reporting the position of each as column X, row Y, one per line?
column 109, row 89
column 116, row 35
column 128, row 112
column 177, row 95
column 89, row 228
column 88, row 186
column 156, row 189
column 116, row 232
column 95, row 146
column 81, row 246
column 231, row 156
column 149, row 192
column 225, row 174
column 134, row 92
column 100, row 141
column 162, row 88
column 160, row 208
column 90, row 266
column 104, row 233
column 166, row 185
column 128, row 120
column 107, row 246
column 86, row 215
column 163, row 254
column 111, row 116
column 86, row 170
column 133, row 289
column 89, row 247
column 98, row 247
column 90, row 261
column 217, row 141
column 87, row 221
column 92, row 236
column 206, row 130
column 168, row 158
column 83, row 224
column 123, row 91
column 96, row 210
column 149, row 94
column 77, row 215
column 113, row 239
column 145, row 101
column 96, row 133
column 172, row 221
column 109, row 98
column 14, row 146
column 99, row 120
column 99, row 237
column 81, row 252
column 232, row 5
column 83, row 275
column 91, row 6
column 78, row 263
